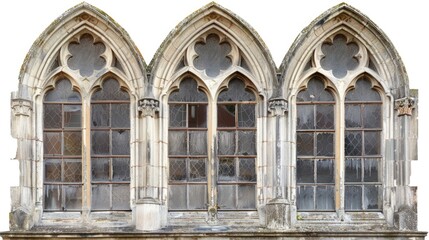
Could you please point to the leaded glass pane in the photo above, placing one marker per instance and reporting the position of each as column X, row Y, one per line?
column 120, row 115
column 236, row 92
column 52, row 170
column 197, row 142
column 100, row 197
column 100, row 115
column 188, row 92
column 121, row 142
column 72, row 171
column 197, row 116
column 304, row 144
column 226, row 171
column 177, row 143
column 53, row 197
column 305, row 197
column 353, row 170
column 197, row 170
column 353, row 115
column 121, row 197
column 52, row 143
column 363, row 92
column 63, row 92
column 353, row 198
column 73, row 197
column 100, row 169
column 227, row 196
column 197, row 197
column 315, row 92
column 72, row 116
column 372, row 143
column 372, row 113
column 324, row 116
column 226, row 142
column 370, row 167
column 177, row 115
column 100, row 143
column 325, row 171
column 52, row 117
column 305, row 119
column 72, row 143
column 226, row 115
column 304, row 171
column 246, row 143
column 325, row 144
column 86, row 55
column 212, row 55
column 325, row 198
column 372, row 197
column 246, row 197
column 121, row 169
column 353, row 143
column 177, row 169
column 177, row 196
column 246, row 115
column 339, row 56
column 247, row 170
column 110, row 91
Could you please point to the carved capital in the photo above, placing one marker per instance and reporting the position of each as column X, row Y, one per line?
column 405, row 106
column 148, row 107
column 277, row 106
column 21, row 107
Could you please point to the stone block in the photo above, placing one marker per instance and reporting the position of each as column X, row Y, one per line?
column 405, row 219
column 277, row 214
column 20, row 219
column 148, row 215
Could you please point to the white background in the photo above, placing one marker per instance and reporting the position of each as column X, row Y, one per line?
column 277, row 22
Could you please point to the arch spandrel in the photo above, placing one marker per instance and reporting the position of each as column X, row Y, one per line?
column 213, row 18
column 45, row 52
column 383, row 59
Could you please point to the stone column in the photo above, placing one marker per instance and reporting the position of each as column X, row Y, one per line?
column 148, row 212
column 405, row 216
column 277, row 210
column 22, row 214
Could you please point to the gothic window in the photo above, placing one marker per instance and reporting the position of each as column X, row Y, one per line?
column 62, row 152
column 110, row 148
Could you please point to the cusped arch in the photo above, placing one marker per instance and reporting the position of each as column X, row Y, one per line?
column 257, row 65
column 44, row 58
column 383, row 62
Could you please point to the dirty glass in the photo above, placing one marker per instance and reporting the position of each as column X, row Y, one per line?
column 325, row 144
column 197, row 143
column 226, row 142
column 72, row 116
column 100, row 199
column 177, row 115
column 247, row 170
column 100, row 115
column 52, row 117
column 100, row 169
column 226, row 171
column 177, row 169
column 305, row 119
column 120, row 197
column 212, row 55
column 52, row 170
column 197, row 197
column 372, row 197
column 227, row 197
column 121, row 142
column 72, row 143
column 197, row 116
column 121, row 169
column 226, row 115
column 197, row 170
column 246, row 196
column 315, row 92
column 305, row 197
column 324, row 116
column 325, row 198
column 353, row 198
column 325, row 171
column 304, row 171
column 53, row 197
column 305, row 144
column 120, row 115
column 73, row 197
column 246, row 115
column 177, row 197
column 72, row 171
column 246, row 143
column 235, row 92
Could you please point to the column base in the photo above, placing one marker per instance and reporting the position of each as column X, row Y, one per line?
column 148, row 215
column 277, row 214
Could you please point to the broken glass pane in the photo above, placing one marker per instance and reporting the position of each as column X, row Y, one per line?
column 120, row 115
column 197, row 170
column 197, row 142
column 226, row 115
column 177, row 169
column 121, row 142
column 226, row 197
column 100, row 170
column 372, row 113
column 246, row 143
column 226, row 142
column 304, row 171
column 236, row 92
column 72, row 143
column 72, row 116
column 305, row 198
column 197, row 196
column 177, row 115
column 305, row 119
column 372, row 143
column 52, row 117
column 247, row 170
column 100, row 143
column 353, row 198
column 226, row 170
column 121, row 197
column 325, row 144
column 52, row 197
column 197, row 116
column 188, row 92
column 246, row 197
column 325, row 198
column 372, row 197
column 353, row 170
column 177, row 143
column 121, row 169
column 353, row 115
column 212, row 55
column 304, row 144
column 363, row 92
column 52, row 170
column 52, row 143
column 353, row 143
column 73, row 197
column 325, row 171
column 100, row 199
column 177, row 197
column 100, row 115
column 246, row 115
column 324, row 116
column 371, row 170
column 72, row 171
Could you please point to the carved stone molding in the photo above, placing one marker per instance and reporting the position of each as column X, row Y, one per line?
column 148, row 107
column 21, row 107
column 405, row 106
column 277, row 106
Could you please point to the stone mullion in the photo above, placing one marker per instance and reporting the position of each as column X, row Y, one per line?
column 86, row 158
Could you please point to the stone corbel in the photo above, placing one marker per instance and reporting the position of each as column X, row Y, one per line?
column 21, row 107
column 148, row 107
column 405, row 106
column 277, row 106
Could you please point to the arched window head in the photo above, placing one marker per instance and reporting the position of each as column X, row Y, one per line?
column 62, row 149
